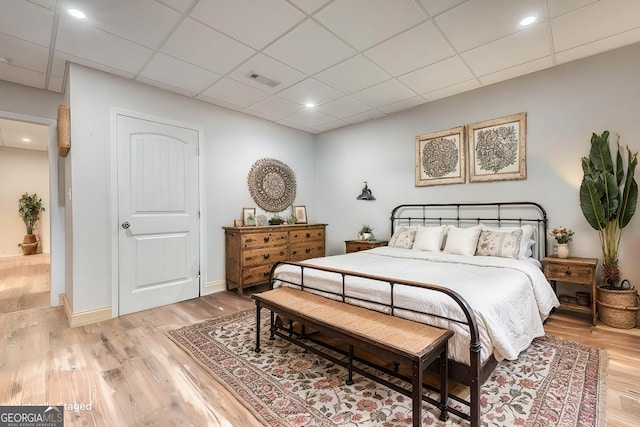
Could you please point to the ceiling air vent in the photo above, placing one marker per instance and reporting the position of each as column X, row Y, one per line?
column 262, row 79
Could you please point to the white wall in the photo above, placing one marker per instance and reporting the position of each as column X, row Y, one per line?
column 564, row 106
column 22, row 171
column 232, row 143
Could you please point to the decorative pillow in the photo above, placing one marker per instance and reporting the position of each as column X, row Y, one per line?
column 526, row 241
column 429, row 238
column 403, row 238
column 462, row 241
column 499, row 243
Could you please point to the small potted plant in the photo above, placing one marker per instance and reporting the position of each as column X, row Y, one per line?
column 563, row 236
column 29, row 208
column 276, row 220
column 366, row 233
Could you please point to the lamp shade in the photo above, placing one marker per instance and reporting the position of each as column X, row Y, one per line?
column 366, row 193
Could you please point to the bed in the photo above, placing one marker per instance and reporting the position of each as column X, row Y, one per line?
column 473, row 268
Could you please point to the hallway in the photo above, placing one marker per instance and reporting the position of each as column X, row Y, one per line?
column 24, row 282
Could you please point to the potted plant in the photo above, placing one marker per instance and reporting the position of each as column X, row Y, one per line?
column 608, row 198
column 562, row 236
column 366, row 233
column 29, row 208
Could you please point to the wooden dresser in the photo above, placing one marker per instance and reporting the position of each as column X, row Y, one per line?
column 251, row 251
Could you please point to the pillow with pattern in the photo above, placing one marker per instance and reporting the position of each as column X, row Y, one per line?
column 403, row 238
column 504, row 244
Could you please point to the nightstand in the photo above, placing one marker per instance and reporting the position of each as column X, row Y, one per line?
column 578, row 271
column 363, row 245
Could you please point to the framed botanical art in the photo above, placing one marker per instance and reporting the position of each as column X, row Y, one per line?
column 440, row 157
column 301, row 214
column 497, row 149
column 248, row 216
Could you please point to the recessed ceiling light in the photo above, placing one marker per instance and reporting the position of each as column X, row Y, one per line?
column 76, row 13
column 26, row 139
column 309, row 105
column 528, row 21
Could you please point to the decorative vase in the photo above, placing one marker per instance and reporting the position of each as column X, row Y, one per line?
column 563, row 250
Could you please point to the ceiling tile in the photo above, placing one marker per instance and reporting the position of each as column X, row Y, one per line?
column 24, row 54
column 310, row 6
column 451, row 90
column 310, row 90
column 413, row 49
column 219, row 53
column 309, row 48
column 49, row 4
column 277, row 107
column 235, row 93
column 353, row 75
column 22, row 76
column 603, row 45
column 487, row 25
column 560, row 7
column 95, row 65
column 363, row 117
column 310, row 118
column 219, row 102
column 331, row 125
column 402, row 105
column 255, row 23
column 56, row 84
column 146, row 22
column 84, row 41
column 59, row 65
column 343, row 107
column 269, row 68
column 296, row 126
column 518, row 70
column 385, row 93
column 13, row 132
column 570, row 31
column 26, row 21
column 173, row 72
column 179, row 5
column 436, row 7
column 436, row 76
column 516, row 49
column 364, row 23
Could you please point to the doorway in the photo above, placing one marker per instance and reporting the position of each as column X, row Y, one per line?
column 24, row 168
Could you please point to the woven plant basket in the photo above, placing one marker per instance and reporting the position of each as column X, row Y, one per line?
column 29, row 244
column 618, row 308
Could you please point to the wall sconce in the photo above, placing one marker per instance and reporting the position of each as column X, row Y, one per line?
column 366, row 193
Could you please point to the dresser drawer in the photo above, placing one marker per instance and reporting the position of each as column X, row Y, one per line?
column 254, row 275
column 256, row 240
column 264, row 256
column 306, row 250
column 300, row 236
column 570, row 273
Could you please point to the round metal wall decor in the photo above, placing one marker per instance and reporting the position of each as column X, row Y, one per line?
column 272, row 185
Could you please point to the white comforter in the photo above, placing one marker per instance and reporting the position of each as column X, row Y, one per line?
column 510, row 297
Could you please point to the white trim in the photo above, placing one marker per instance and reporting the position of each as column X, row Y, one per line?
column 84, row 317
column 113, row 170
column 56, row 216
column 213, row 287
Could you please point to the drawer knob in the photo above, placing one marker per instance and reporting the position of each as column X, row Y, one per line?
column 568, row 272
column 308, row 235
column 307, row 250
column 266, row 239
column 265, row 256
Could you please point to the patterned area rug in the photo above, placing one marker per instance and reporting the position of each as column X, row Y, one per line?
column 553, row 383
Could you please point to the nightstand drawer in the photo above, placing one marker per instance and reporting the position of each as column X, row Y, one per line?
column 363, row 245
column 569, row 273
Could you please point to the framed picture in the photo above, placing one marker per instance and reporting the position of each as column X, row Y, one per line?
column 497, row 149
column 248, row 216
column 440, row 157
column 237, row 223
column 301, row 214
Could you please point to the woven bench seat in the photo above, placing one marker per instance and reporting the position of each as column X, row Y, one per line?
column 401, row 340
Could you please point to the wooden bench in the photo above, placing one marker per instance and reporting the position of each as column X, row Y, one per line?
column 401, row 340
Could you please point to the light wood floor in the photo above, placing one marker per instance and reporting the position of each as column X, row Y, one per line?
column 132, row 374
column 24, row 282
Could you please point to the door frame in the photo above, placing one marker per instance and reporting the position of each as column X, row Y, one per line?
column 56, row 205
column 113, row 179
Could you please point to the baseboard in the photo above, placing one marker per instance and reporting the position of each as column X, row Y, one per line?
column 84, row 317
column 213, row 287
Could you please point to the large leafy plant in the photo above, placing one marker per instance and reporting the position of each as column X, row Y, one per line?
column 29, row 208
column 608, row 198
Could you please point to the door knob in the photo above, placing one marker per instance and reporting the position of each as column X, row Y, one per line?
column 126, row 225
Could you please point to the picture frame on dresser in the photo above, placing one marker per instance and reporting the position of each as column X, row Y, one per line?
column 301, row 214
column 248, row 217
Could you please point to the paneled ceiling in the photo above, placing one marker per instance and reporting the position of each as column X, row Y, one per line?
column 355, row 60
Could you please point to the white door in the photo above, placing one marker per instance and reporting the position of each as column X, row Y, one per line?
column 158, row 240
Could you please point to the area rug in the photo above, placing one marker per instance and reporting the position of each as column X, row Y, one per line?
column 553, row 383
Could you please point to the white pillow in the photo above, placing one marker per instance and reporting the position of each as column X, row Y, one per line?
column 429, row 238
column 504, row 244
column 462, row 241
column 403, row 238
column 526, row 241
